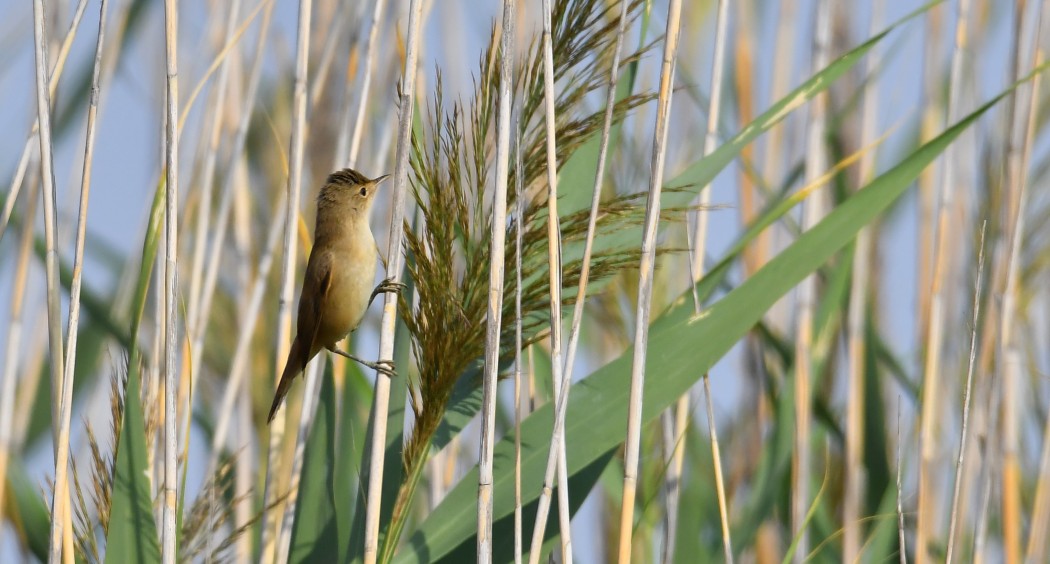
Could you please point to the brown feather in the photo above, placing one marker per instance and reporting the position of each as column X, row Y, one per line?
column 311, row 310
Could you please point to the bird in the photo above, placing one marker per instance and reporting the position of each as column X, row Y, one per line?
column 339, row 276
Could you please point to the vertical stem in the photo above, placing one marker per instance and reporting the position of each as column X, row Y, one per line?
column 518, row 220
column 554, row 268
column 645, row 281
column 931, row 390
column 394, row 266
column 497, row 242
column 858, row 301
column 171, row 224
column 1020, row 141
column 61, row 521
column 9, row 376
column 812, row 211
column 1040, row 520
column 272, row 518
column 966, row 397
column 61, row 491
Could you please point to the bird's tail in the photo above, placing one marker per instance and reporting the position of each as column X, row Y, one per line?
column 296, row 362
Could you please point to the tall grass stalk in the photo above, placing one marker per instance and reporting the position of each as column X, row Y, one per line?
column 171, row 224
column 645, row 280
column 497, row 244
column 933, row 120
column 858, row 303
column 543, row 505
column 61, row 522
column 394, row 266
column 272, row 518
column 812, row 212
column 1009, row 354
column 954, row 516
column 519, row 218
column 61, row 491
column 674, row 475
column 1036, row 549
column 931, row 386
column 554, row 268
column 20, row 275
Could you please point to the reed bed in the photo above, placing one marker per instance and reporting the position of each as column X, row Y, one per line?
column 808, row 310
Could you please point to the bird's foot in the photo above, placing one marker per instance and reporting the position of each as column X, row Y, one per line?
column 388, row 286
column 385, row 367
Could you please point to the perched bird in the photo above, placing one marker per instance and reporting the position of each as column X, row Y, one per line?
column 339, row 276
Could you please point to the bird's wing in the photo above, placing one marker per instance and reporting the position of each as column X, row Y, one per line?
column 316, row 287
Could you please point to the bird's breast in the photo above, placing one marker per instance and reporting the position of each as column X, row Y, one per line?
column 353, row 277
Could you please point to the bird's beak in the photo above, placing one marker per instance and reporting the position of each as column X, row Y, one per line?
column 380, row 179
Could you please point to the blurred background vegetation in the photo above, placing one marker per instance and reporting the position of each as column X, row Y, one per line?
column 875, row 179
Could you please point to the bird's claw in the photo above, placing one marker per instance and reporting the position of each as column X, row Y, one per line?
column 385, row 367
column 388, row 286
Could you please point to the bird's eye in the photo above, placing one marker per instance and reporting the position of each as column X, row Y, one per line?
column 364, row 192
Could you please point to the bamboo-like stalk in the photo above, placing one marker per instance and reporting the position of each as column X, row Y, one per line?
column 274, row 508
column 519, row 219
column 562, row 395
column 20, row 276
column 645, row 280
column 554, row 267
column 61, row 490
column 171, row 224
column 744, row 95
column 61, row 537
column 697, row 272
column 858, row 300
column 1036, row 549
column 966, row 398
column 244, row 480
column 394, row 266
column 56, row 73
column 497, row 244
column 363, row 91
column 812, row 211
column 1009, row 357
column 931, row 389
column 932, row 123
column 306, row 415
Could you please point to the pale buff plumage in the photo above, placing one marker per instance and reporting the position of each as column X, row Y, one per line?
column 339, row 274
